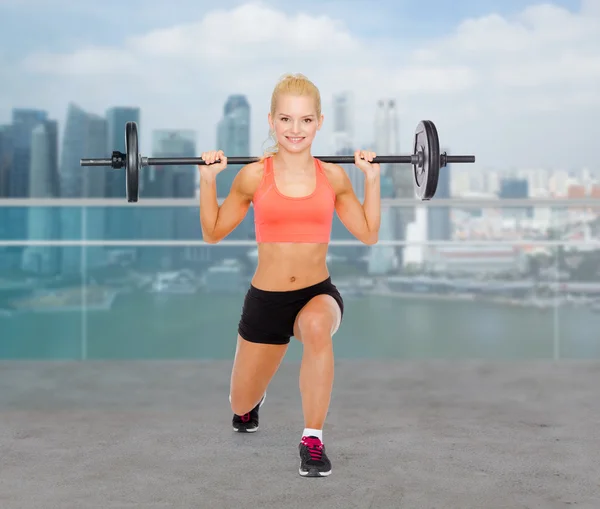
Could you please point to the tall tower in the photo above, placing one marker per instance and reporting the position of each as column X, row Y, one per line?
column 43, row 224
column 24, row 121
column 385, row 259
column 168, row 223
column 233, row 138
column 343, row 122
column 84, row 136
column 343, row 138
column 120, row 221
column 439, row 224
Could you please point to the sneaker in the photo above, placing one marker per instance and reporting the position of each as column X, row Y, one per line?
column 314, row 461
column 247, row 423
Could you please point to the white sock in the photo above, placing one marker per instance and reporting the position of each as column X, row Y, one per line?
column 309, row 432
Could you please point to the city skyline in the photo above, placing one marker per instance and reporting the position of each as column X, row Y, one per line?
column 505, row 81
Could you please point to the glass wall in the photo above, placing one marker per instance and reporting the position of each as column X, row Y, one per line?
column 505, row 281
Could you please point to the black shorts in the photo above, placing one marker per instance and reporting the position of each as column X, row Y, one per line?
column 269, row 317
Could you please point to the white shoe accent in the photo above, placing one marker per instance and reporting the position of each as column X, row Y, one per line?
column 247, row 430
column 321, row 474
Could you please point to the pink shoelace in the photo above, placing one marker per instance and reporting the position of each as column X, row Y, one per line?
column 315, row 447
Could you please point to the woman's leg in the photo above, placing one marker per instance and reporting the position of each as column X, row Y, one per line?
column 315, row 325
column 253, row 368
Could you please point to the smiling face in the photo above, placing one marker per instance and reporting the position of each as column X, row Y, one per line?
column 295, row 121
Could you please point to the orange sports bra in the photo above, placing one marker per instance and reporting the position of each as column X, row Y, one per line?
column 280, row 218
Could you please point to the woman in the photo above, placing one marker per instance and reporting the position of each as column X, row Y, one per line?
column 291, row 294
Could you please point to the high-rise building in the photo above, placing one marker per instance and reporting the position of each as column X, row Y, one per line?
column 168, row 223
column 385, row 259
column 343, row 116
column 233, row 138
column 343, row 138
column 24, row 121
column 120, row 221
column 84, row 137
column 43, row 223
column 6, row 159
column 344, row 144
column 116, row 118
column 514, row 188
column 387, row 136
column 439, row 226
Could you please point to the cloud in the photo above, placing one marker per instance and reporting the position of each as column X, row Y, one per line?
column 510, row 89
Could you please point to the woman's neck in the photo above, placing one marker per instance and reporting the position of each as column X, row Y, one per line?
column 290, row 160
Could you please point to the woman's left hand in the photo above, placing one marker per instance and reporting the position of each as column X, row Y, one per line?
column 362, row 159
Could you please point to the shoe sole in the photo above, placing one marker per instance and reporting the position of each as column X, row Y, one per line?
column 251, row 430
column 245, row 430
column 313, row 472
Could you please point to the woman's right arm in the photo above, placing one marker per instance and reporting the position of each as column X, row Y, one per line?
column 219, row 221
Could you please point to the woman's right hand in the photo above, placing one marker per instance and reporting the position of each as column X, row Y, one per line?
column 211, row 168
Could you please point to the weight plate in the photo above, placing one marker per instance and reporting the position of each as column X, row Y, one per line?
column 426, row 171
column 132, row 166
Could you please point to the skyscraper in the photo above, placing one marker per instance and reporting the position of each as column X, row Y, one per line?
column 516, row 188
column 120, row 221
column 343, row 121
column 43, row 223
column 384, row 259
column 439, row 226
column 24, row 121
column 6, row 157
column 387, row 138
column 387, row 134
column 168, row 223
column 343, row 138
column 344, row 144
column 84, row 137
column 233, row 138
column 6, row 160
column 116, row 118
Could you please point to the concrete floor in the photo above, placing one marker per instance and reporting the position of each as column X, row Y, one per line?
column 431, row 435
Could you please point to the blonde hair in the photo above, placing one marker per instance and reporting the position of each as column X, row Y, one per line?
column 292, row 84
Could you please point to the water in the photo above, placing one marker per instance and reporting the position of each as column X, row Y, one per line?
column 204, row 326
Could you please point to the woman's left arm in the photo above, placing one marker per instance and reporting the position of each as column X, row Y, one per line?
column 362, row 221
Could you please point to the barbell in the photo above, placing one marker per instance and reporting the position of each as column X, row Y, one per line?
column 426, row 160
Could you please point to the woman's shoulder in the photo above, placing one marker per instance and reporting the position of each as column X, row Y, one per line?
column 250, row 176
column 335, row 174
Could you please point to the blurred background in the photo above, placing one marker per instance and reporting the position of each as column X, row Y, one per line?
column 502, row 264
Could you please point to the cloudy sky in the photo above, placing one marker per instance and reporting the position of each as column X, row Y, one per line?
column 515, row 82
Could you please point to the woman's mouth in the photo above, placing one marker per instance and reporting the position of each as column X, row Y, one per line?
column 295, row 139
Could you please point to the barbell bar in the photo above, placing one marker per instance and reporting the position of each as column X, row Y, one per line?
column 426, row 160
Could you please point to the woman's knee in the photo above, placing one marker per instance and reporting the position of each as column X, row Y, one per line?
column 242, row 403
column 315, row 328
